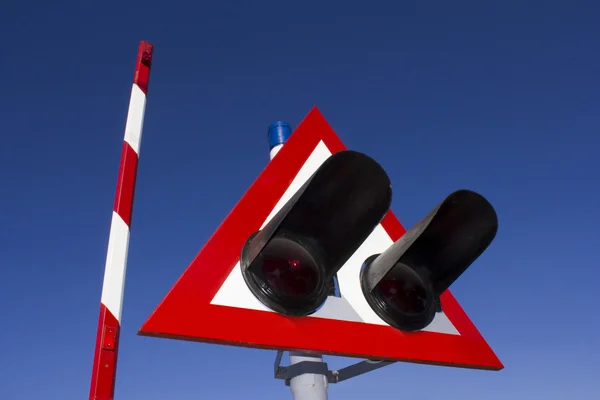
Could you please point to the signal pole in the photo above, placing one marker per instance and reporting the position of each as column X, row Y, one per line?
column 308, row 386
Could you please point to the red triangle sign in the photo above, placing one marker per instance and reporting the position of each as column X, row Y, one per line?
column 210, row 302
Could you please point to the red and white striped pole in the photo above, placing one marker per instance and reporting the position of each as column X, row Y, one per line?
column 107, row 340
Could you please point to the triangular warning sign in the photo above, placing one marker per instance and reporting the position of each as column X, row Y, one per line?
column 211, row 303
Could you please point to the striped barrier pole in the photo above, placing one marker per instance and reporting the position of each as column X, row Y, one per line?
column 107, row 340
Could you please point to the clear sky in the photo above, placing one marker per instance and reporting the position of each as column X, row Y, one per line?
column 500, row 98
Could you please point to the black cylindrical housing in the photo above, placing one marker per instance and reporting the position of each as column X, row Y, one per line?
column 403, row 284
column 288, row 264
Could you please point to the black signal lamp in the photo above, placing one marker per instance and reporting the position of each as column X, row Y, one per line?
column 404, row 283
column 290, row 263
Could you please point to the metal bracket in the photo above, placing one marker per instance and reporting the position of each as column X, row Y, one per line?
column 321, row 368
column 355, row 370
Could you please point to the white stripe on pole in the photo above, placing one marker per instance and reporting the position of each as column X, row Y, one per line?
column 116, row 265
column 135, row 118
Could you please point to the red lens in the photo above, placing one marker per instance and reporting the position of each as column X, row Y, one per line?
column 404, row 291
column 288, row 269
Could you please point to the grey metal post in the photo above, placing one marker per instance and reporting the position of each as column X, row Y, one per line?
column 306, row 386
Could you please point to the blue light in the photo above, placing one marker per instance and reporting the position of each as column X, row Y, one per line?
column 279, row 132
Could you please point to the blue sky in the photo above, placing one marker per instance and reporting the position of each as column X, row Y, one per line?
column 498, row 98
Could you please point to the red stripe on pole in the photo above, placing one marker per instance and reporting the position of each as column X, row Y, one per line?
column 142, row 66
column 105, row 356
column 126, row 183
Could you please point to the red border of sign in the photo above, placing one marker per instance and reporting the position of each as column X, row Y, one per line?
column 186, row 313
